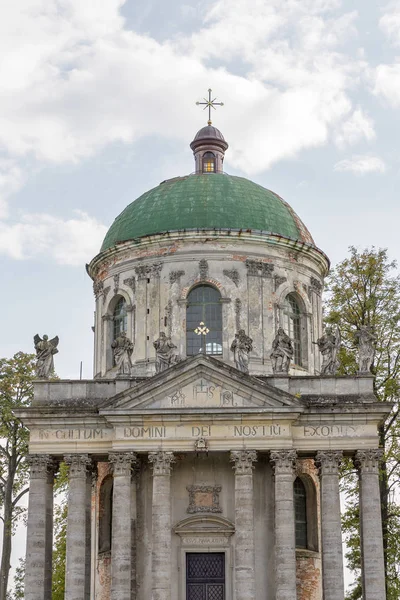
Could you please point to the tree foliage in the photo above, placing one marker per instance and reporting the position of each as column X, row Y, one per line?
column 60, row 533
column 16, row 391
column 364, row 289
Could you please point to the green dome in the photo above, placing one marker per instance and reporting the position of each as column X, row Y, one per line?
column 212, row 201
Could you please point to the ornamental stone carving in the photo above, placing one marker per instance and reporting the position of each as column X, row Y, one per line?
column 258, row 268
column 105, row 293
column 41, row 466
column 116, row 283
column 131, row 282
column 122, row 462
column 203, row 268
column 168, row 317
column 241, row 347
column 282, row 352
column 238, row 311
column 232, row 274
column 79, row 464
column 147, row 271
column 161, row 462
column 243, row 461
column 175, row 276
column 204, row 499
column 366, row 348
column 98, row 288
column 278, row 280
column 368, row 460
column 328, row 461
column 283, row 461
column 315, row 286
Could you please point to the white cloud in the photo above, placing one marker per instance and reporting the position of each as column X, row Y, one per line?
column 74, row 79
column 11, row 180
column 358, row 127
column 361, row 164
column 69, row 242
column 386, row 83
column 390, row 22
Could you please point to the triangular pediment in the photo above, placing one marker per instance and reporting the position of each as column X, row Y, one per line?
column 201, row 383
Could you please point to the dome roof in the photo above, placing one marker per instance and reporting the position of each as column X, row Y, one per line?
column 208, row 132
column 212, row 201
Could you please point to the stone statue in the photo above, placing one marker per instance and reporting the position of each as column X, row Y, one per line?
column 45, row 350
column 165, row 356
column 329, row 346
column 241, row 346
column 122, row 349
column 282, row 352
column 366, row 348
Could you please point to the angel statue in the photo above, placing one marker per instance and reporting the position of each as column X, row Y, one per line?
column 45, row 350
column 329, row 346
column 122, row 348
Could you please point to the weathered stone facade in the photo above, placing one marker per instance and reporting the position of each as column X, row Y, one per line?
column 191, row 460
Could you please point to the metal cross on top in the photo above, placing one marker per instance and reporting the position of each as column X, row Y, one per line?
column 210, row 103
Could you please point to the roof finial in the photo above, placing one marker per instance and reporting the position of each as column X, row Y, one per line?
column 210, row 103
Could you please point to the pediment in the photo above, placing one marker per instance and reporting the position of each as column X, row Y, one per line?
column 201, row 383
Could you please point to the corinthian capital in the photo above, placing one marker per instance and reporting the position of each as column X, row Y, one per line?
column 283, row 461
column 42, row 466
column 78, row 464
column 368, row 460
column 243, row 461
column 161, row 462
column 122, row 462
column 329, row 461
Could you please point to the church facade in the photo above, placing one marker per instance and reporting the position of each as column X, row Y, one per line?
column 204, row 454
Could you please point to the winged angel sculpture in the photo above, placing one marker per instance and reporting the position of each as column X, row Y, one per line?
column 45, row 350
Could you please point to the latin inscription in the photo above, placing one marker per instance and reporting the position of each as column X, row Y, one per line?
column 329, row 431
column 72, row 434
column 204, row 541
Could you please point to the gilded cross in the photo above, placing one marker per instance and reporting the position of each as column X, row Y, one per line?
column 202, row 330
column 210, row 103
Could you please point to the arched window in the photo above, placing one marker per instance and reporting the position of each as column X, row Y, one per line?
column 204, row 306
column 300, row 511
column 293, row 326
column 105, row 514
column 208, row 162
column 120, row 317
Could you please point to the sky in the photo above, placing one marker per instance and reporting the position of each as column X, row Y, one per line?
column 98, row 105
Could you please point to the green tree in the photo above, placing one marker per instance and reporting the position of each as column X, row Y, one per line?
column 16, row 390
column 364, row 289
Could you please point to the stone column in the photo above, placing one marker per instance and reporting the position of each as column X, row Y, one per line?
column 76, row 579
column 244, row 523
column 332, row 552
column 372, row 563
column 39, row 538
column 285, row 543
column 121, row 544
column 161, row 525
